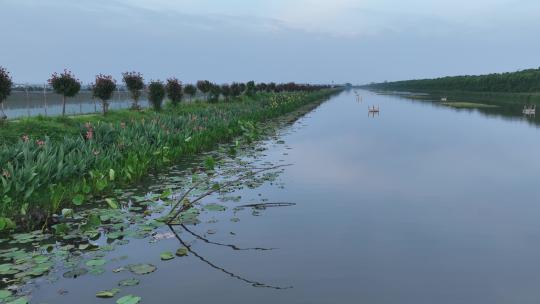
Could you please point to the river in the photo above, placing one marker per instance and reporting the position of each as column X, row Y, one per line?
column 419, row 204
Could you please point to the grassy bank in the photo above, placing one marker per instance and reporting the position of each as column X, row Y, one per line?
column 47, row 164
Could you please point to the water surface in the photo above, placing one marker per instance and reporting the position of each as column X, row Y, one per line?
column 420, row 204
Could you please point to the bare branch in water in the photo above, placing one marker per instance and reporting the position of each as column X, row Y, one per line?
column 252, row 283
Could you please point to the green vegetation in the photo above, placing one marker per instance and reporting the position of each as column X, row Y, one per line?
column 526, row 81
column 65, row 84
column 5, row 89
column 103, row 89
column 50, row 164
column 156, row 94
column 135, row 84
column 467, row 105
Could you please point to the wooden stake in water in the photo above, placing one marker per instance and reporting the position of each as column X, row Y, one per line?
column 45, row 97
column 27, row 101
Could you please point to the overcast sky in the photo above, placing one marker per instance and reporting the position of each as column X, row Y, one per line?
column 356, row 41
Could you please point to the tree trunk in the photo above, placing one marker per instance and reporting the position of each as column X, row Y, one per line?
column 2, row 115
column 63, row 105
column 105, row 107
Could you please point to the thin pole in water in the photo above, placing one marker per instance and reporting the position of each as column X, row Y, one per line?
column 45, row 97
column 27, row 101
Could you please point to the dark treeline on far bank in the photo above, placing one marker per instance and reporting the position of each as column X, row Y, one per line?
column 526, row 81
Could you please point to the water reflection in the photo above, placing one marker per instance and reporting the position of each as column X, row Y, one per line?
column 213, row 265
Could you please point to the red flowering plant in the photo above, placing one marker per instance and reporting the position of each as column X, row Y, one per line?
column 135, row 84
column 103, row 89
column 65, row 84
column 174, row 91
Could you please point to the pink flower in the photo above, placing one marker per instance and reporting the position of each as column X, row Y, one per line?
column 89, row 134
column 5, row 173
column 40, row 142
column 25, row 138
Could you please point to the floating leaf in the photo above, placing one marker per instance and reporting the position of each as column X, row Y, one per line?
column 67, row 212
column 112, row 203
column 95, row 262
column 75, row 273
column 108, row 293
column 215, row 207
column 4, row 294
column 182, row 252
column 165, row 256
column 22, row 300
column 142, row 268
column 129, row 282
column 97, row 271
column 129, row 299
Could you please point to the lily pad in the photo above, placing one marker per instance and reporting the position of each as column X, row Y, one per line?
column 215, row 207
column 182, row 252
column 73, row 274
column 4, row 294
column 22, row 300
column 95, row 262
column 165, row 256
column 142, row 268
column 129, row 299
column 129, row 282
column 97, row 271
column 108, row 293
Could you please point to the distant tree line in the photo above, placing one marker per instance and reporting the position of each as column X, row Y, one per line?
column 67, row 85
column 526, row 81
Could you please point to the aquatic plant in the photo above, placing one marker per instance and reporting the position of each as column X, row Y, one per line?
column 86, row 158
column 174, row 91
column 5, row 89
column 135, row 84
column 156, row 94
column 65, row 84
column 103, row 89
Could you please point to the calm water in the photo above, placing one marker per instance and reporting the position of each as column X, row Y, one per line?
column 421, row 204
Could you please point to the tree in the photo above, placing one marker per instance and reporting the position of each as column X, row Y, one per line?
column 156, row 94
column 5, row 89
column 204, row 86
column 271, row 87
column 226, row 91
column 261, row 87
column 250, row 88
column 215, row 92
column 65, row 84
column 190, row 90
column 103, row 89
column 236, row 89
column 135, row 84
column 174, row 91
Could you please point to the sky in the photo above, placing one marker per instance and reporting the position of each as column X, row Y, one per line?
column 315, row 41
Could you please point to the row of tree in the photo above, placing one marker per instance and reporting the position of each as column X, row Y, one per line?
column 67, row 85
column 522, row 81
